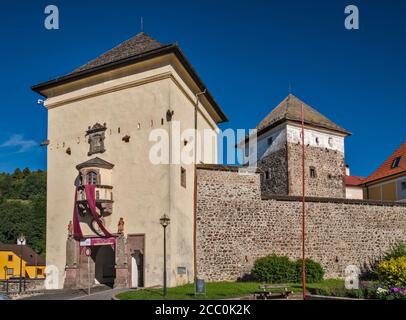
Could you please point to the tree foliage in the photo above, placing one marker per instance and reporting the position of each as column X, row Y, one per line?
column 23, row 207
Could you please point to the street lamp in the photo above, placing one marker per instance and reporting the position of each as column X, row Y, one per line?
column 164, row 223
column 21, row 242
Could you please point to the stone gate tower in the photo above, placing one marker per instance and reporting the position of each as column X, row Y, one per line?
column 280, row 152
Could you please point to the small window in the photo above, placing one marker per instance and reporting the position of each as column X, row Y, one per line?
column 403, row 185
column 317, row 140
column 267, row 175
column 183, row 177
column 162, row 121
column 330, row 142
column 91, row 177
column 329, row 176
column 10, row 257
column 39, row 271
column 10, row 271
column 312, row 172
column 396, row 162
column 97, row 195
column 270, row 141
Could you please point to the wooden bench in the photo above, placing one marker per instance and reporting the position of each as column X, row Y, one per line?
column 266, row 293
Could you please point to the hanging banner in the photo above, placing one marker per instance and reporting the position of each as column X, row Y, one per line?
column 98, row 242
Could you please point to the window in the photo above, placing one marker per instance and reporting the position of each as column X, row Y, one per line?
column 39, row 271
column 183, row 177
column 403, row 185
column 267, row 175
column 10, row 257
column 317, row 140
column 330, row 142
column 97, row 194
column 270, row 140
column 91, row 178
column 396, row 162
column 312, row 172
column 10, row 271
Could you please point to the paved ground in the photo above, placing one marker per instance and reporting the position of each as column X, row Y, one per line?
column 97, row 293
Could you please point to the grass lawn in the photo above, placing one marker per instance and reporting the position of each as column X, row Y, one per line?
column 218, row 290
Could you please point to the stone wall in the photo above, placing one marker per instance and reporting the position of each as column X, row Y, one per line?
column 276, row 164
column 28, row 285
column 236, row 224
column 329, row 168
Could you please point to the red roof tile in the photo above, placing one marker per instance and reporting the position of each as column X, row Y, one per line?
column 353, row 180
column 386, row 170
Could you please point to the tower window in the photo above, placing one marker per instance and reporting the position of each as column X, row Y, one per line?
column 267, row 175
column 91, row 178
column 10, row 258
column 183, row 177
column 270, row 141
column 396, row 162
column 403, row 185
column 312, row 172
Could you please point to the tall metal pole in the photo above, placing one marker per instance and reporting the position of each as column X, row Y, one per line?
column 165, row 288
column 303, row 208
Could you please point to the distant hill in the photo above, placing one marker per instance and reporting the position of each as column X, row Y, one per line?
column 23, row 207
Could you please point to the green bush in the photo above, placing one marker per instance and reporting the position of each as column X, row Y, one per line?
column 314, row 271
column 280, row 269
column 275, row 269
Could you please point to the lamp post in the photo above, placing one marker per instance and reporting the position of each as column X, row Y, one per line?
column 21, row 242
column 164, row 223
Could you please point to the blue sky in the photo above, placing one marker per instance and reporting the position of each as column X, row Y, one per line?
column 247, row 53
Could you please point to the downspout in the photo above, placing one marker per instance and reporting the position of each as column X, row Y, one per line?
column 195, row 189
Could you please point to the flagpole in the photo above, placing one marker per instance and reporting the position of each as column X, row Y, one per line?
column 303, row 208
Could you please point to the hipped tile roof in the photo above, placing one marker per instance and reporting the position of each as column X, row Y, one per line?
column 386, row 170
column 290, row 109
column 141, row 43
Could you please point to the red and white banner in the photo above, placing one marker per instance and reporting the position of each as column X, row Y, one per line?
column 98, row 242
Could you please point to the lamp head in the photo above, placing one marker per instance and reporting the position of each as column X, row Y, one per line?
column 165, row 220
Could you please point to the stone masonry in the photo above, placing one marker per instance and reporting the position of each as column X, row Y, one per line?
column 236, row 224
column 329, row 171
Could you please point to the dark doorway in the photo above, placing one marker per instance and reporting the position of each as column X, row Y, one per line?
column 104, row 259
column 136, row 260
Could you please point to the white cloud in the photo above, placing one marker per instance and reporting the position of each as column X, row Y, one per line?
column 17, row 140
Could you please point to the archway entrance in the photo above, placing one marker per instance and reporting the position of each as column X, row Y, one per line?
column 104, row 260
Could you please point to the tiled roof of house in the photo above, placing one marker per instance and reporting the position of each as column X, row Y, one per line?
column 139, row 48
column 29, row 256
column 290, row 109
column 141, row 43
column 95, row 162
column 387, row 169
column 353, row 180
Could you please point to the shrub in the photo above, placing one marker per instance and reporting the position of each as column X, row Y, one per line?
column 393, row 271
column 396, row 251
column 314, row 271
column 274, row 269
column 280, row 269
